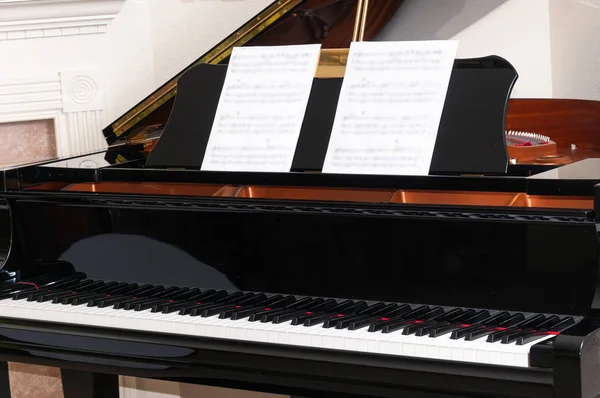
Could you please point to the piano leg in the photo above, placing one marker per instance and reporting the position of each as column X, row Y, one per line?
column 78, row 384
column 4, row 380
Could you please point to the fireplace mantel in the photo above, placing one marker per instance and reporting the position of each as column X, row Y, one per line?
column 28, row 19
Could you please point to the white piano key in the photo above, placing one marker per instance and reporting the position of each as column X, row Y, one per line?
column 361, row 340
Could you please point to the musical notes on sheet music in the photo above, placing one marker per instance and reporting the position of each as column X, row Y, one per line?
column 261, row 108
column 390, row 107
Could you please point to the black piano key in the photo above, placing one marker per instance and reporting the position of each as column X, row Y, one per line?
column 184, row 294
column 70, row 298
column 203, row 298
column 164, row 292
column 24, row 290
column 359, row 324
column 496, row 319
column 19, row 286
column 213, row 310
column 108, row 290
column 395, row 326
column 108, row 301
column 90, row 289
column 484, row 328
column 143, row 290
column 533, row 322
column 51, row 296
column 479, row 316
column 329, row 306
column 486, row 331
column 374, row 309
column 252, row 302
column 175, row 299
column 528, row 323
column 299, row 308
column 512, row 321
column 428, row 328
column 515, row 335
column 464, row 330
column 108, row 286
column 529, row 327
column 499, row 333
column 533, row 335
column 247, row 298
column 289, row 315
column 80, row 299
column 130, row 304
column 242, row 313
column 333, row 322
column 425, row 319
column 451, row 316
column 422, row 324
column 413, row 314
column 333, row 312
column 273, row 304
column 463, row 326
column 549, row 322
column 317, row 319
column 61, row 285
column 35, row 295
column 346, row 321
column 443, row 329
column 150, row 304
column 174, row 307
column 268, row 315
column 389, row 311
column 478, row 332
column 91, row 286
column 123, row 288
column 280, row 301
column 557, row 327
column 565, row 323
column 197, row 309
column 305, row 302
column 25, row 294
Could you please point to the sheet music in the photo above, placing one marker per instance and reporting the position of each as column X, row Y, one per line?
column 390, row 107
column 261, row 108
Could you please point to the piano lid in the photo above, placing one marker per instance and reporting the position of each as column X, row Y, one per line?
column 284, row 22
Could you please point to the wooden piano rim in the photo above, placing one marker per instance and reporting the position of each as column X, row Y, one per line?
column 423, row 197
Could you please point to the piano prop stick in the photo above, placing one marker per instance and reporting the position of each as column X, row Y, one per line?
column 390, row 107
column 261, row 108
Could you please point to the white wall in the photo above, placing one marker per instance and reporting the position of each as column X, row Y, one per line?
column 152, row 40
column 575, row 46
column 553, row 44
column 115, row 61
column 517, row 30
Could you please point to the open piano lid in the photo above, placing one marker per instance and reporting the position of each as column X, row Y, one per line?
column 284, row 22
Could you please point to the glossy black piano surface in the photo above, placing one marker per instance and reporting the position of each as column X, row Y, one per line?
column 423, row 263
column 473, row 284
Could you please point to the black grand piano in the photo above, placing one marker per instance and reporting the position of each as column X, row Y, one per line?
column 479, row 280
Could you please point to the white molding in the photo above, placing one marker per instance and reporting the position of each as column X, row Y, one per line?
column 25, row 19
column 77, row 128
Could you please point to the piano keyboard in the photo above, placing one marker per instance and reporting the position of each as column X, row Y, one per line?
column 425, row 331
